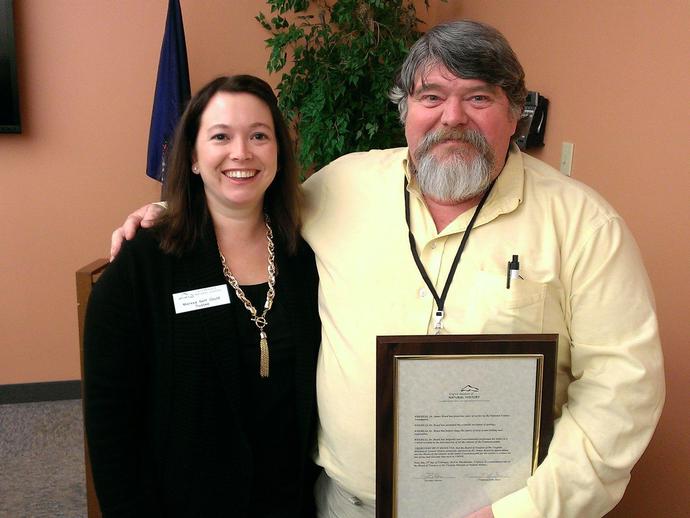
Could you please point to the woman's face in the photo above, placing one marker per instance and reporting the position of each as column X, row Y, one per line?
column 236, row 152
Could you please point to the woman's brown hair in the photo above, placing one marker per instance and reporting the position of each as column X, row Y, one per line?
column 187, row 219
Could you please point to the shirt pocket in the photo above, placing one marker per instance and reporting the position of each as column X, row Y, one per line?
column 493, row 308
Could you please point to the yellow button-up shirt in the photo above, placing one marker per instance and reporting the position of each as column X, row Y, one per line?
column 583, row 278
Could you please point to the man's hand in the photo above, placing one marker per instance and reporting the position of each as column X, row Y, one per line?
column 484, row 512
column 144, row 217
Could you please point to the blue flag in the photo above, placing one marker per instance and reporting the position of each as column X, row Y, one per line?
column 172, row 92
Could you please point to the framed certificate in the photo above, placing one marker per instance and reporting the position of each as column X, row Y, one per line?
column 461, row 420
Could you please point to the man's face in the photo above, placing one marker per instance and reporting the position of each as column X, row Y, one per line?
column 442, row 101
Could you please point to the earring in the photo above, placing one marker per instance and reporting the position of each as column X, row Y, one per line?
column 195, row 169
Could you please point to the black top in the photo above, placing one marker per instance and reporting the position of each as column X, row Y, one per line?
column 166, row 403
column 269, row 406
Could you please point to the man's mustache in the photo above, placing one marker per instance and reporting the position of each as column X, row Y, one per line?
column 468, row 136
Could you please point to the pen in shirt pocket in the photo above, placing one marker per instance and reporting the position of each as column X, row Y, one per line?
column 513, row 270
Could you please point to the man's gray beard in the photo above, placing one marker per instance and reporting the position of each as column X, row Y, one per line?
column 454, row 177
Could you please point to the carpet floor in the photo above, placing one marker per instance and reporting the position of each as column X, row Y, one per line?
column 42, row 460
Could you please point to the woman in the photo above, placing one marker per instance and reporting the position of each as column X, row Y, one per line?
column 201, row 338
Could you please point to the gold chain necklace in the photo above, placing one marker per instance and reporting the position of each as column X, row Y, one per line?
column 260, row 320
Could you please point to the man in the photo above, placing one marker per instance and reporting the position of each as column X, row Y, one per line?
column 460, row 93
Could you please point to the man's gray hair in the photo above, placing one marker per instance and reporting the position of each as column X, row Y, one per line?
column 469, row 50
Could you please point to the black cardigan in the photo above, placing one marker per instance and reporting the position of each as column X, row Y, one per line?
column 162, row 391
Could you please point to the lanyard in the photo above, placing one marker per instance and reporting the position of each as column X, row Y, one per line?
column 440, row 301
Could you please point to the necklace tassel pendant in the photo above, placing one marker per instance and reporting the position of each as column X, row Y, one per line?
column 263, row 351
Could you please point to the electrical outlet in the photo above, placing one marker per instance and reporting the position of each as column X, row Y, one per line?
column 567, row 157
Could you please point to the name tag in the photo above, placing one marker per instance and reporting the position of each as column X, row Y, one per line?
column 201, row 299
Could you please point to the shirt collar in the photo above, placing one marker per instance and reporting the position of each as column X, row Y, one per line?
column 508, row 191
column 505, row 196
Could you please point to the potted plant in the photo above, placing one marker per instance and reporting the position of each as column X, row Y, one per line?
column 343, row 56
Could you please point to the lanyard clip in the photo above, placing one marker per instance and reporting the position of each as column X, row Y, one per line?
column 438, row 325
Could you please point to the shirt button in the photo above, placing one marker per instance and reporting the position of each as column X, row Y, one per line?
column 354, row 500
column 423, row 292
column 433, row 245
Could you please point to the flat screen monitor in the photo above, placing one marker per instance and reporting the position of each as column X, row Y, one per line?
column 9, row 92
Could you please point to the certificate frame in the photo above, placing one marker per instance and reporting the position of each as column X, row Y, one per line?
column 391, row 350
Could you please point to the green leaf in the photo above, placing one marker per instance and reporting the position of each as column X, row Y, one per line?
column 343, row 59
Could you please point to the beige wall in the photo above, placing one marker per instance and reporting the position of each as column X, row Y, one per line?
column 616, row 73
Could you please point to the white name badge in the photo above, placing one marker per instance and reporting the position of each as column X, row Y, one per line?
column 201, row 299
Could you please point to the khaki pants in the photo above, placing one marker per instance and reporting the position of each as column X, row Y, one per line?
column 332, row 501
